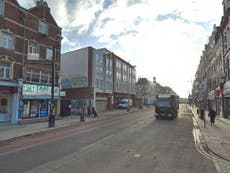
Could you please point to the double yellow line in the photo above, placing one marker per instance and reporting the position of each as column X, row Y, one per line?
column 199, row 145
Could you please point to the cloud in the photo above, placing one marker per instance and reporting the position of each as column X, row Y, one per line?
column 26, row 4
column 163, row 38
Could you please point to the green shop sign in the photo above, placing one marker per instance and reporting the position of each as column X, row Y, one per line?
column 39, row 90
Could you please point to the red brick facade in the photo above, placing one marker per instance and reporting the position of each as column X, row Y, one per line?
column 29, row 40
column 24, row 26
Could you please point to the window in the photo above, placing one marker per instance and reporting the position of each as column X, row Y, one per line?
column 1, row 7
column 49, row 53
column 228, row 69
column 33, row 47
column 7, row 40
column 5, row 70
column 33, row 51
column 228, row 39
column 97, row 83
column 43, row 27
column 38, row 76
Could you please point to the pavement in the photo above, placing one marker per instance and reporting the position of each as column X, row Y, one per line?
column 217, row 137
column 10, row 132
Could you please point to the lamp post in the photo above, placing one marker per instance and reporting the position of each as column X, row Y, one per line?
column 155, row 84
column 128, row 107
column 222, row 94
column 51, row 115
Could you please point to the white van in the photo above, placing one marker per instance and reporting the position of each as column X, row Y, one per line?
column 125, row 103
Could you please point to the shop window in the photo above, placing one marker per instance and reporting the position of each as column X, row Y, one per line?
column 34, row 108
column 5, row 70
column 3, row 105
column 43, row 27
column 6, row 40
column 26, row 109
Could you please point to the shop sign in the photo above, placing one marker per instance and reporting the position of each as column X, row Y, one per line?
column 8, row 89
column 39, row 90
column 202, row 87
column 62, row 93
column 218, row 92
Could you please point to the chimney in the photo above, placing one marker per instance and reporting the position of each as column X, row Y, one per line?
column 41, row 3
column 226, row 5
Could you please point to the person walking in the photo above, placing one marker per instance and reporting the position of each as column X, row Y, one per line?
column 94, row 112
column 212, row 115
column 82, row 115
column 88, row 111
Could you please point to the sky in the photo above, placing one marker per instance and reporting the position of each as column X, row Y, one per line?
column 162, row 38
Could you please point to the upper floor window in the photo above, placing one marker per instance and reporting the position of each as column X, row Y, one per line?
column 5, row 70
column 33, row 51
column 99, row 59
column 49, row 53
column 1, row 7
column 38, row 76
column 6, row 40
column 43, row 27
column 228, row 38
column 33, row 47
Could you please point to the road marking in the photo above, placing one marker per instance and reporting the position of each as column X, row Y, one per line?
column 136, row 155
column 199, row 142
column 140, row 122
column 99, row 141
column 216, row 165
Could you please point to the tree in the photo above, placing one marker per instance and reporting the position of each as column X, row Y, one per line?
column 143, row 86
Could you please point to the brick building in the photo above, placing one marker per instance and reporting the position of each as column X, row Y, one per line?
column 29, row 40
column 95, row 78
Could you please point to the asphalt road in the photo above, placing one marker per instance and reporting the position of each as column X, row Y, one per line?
column 130, row 143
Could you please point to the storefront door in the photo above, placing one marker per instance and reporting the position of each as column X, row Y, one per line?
column 44, row 109
column 4, row 107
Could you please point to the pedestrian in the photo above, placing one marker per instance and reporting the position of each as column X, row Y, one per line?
column 94, row 112
column 82, row 115
column 212, row 115
column 88, row 111
column 202, row 112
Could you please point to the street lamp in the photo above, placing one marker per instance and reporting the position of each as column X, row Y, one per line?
column 155, row 84
column 222, row 93
column 51, row 115
column 129, row 83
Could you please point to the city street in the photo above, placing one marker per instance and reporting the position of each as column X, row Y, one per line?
column 134, row 142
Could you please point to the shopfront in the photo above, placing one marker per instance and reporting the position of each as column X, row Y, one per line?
column 36, row 101
column 8, row 103
column 226, row 93
column 218, row 100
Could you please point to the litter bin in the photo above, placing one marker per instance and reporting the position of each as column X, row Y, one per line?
column 51, row 120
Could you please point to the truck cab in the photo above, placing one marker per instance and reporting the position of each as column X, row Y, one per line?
column 166, row 106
